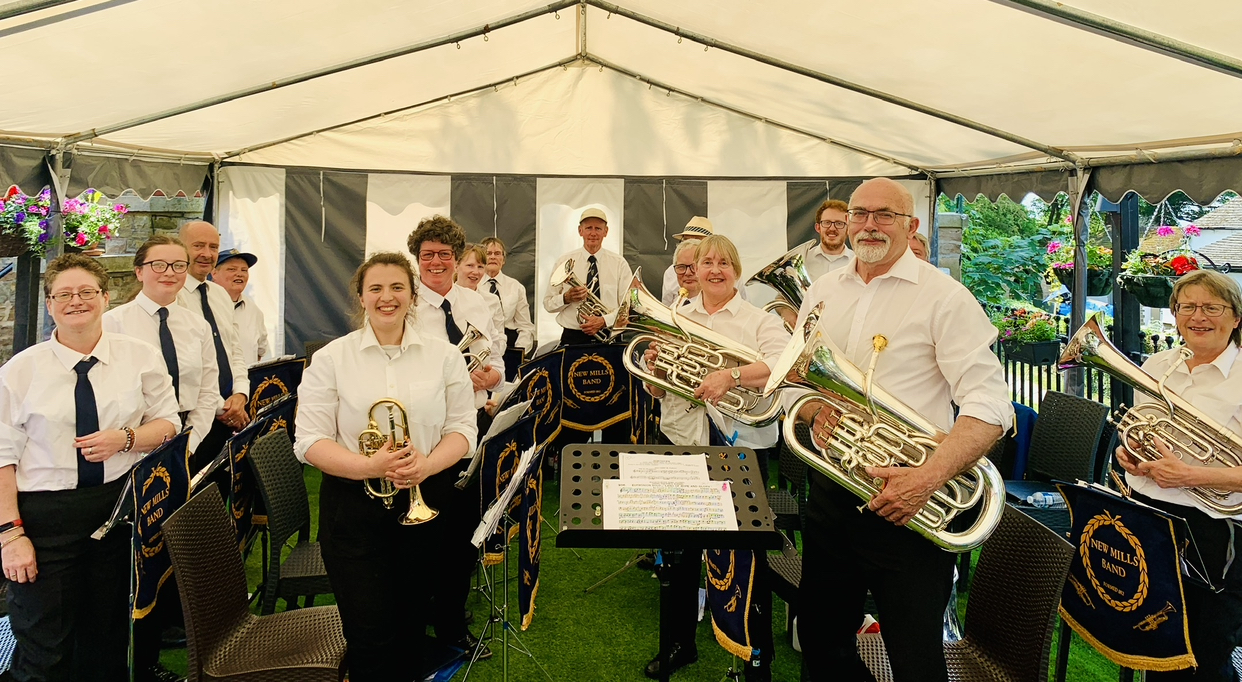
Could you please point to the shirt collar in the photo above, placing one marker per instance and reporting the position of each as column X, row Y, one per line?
column 906, row 267
column 192, row 284
column 148, row 306
column 819, row 251
column 697, row 305
column 425, row 293
column 408, row 337
column 69, row 357
column 1224, row 361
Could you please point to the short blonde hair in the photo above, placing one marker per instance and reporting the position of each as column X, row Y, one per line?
column 926, row 247
column 1220, row 286
column 721, row 245
column 480, row 254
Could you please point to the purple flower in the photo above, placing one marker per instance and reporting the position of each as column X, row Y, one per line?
column 1165, row 231
column 1, row 205
column 19, row 217
column 43, row 224
column 1054, row 246
column 1063, row 266
column 1192, row 231
column 43, row 237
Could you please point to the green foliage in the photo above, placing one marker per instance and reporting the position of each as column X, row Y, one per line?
column 1023, row 325
column 1004, row 251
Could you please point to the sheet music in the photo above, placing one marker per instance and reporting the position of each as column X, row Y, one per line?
column 646, row 467
column 491, row 519
column 668, row 505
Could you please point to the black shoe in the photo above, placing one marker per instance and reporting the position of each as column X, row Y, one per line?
column 172, row 637
column 469, row 642
column 680, row 658
column 157, row 673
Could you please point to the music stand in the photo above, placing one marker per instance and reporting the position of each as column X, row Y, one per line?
column 584, row 468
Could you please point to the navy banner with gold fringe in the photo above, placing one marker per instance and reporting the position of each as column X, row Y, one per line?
column 595, row 388
column 730, row 584
column 500, row 459
column 271, row 381
column 243, row 491
column 530, row 516
column 160, row 484
column 1124, row 590
column 541, row 384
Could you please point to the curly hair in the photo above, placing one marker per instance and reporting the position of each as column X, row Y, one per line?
column 438, row 229
column 70, row 261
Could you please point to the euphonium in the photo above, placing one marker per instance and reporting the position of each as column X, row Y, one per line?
column 591, row 307
column 473, row 360
column 1187, row 431
column 688, row 351
column 876, row 429
column 787, row 275
column 371, row 440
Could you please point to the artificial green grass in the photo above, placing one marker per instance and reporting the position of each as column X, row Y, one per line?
column 610, row 634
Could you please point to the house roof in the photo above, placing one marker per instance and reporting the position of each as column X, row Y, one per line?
column 1227, row 216
column 1227, row 250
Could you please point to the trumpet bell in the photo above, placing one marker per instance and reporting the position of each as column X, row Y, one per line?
column 419, row 511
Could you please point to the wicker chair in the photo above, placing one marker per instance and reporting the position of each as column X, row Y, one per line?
column 278, row 474
column 789, row 497
column 225, row 641
column 311, row 348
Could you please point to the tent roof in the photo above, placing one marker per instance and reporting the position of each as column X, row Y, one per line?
column 697, row 88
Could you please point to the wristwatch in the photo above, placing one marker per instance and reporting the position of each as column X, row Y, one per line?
column 736, row 373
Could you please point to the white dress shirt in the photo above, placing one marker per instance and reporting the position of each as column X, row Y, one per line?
column 939, row 339
column 670, row 287
column 515, row 309
column 198, row 377
column 468, row 307
column 614, row 280
column 251, row 329
column 38, row 418
column 1216, row 390
column 349, row 374
column 819, row 262
column 749, row 326
column 221, row 309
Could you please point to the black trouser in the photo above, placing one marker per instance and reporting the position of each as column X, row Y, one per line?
column 513, row 355
column 1213, row 618
column 72, row 622
column 209, row 447
column 381, row 574
column 451, row 570
column 844, row 554
column 576, row 337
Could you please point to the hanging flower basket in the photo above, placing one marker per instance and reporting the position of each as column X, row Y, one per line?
column 1099, row 281
column 12, row 245
column 1035, row 353
column 1152, row 291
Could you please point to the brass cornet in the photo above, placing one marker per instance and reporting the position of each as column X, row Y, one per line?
column 473, row 360
column 591, row 307
column 372, row 440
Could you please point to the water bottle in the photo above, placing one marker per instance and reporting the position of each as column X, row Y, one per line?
column 1047, row 501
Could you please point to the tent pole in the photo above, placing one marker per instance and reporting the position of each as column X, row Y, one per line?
column 1080, row 187
column 320, row 73
column 833, row 80
column 15, row 9
column 1133, row 35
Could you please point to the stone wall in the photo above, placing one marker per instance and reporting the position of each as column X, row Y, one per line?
column 949, row 231
column 157, row 215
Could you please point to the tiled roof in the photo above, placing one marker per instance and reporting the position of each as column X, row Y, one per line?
column 1154, row 243
column 1227, row 217
column 1227, row 250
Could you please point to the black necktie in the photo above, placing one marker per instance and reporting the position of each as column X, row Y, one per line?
column 86, row 416
column 454, row 334
column 170, row 352
column 491, row 284
column 593, row 276
column 222, row 358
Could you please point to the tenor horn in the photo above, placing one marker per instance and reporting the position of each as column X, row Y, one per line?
column 787, row 276
column 371, row 440
column 591, row 307
column 1188, row 432
column 875, row 429
column 687, row 352
column 473, row 360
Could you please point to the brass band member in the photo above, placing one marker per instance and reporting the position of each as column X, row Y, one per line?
column 377, row 566
column 918, row 244
column 1208, row 308
column 831, row 252
column 519, row 330
column 939, row 353
column 599, row 271
column 233, row 273
column 76, row 413
column 720, row 307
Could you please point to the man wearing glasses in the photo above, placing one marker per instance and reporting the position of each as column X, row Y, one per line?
column 938, row 354
column 602, row 273
column 830, row 223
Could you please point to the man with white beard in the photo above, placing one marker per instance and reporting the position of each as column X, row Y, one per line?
column 938, row 353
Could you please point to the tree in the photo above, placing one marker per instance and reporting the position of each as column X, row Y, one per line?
column 1004, row 249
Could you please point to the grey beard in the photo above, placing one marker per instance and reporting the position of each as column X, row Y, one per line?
column 871, row 254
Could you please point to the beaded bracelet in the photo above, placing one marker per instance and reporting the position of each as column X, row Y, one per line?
column 129, row 439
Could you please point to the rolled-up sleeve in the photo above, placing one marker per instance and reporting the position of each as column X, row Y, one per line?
column 12, row 437
column 460, row 414
column 318, row 403
column 963, row 336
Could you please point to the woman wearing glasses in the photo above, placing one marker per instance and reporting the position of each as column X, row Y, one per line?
column 1208, row 308
column 76, row 412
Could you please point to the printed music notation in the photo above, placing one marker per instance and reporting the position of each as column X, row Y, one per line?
column 644, row 467
column 668, row 505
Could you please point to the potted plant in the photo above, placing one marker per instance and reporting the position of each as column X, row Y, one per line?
column 24, row 222
column 1028, row 336
column 1099, row 266
column 1149, row 277
column 89, row 221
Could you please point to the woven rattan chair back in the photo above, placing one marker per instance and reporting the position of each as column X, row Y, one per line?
column 312, row 347
column 278, row 474
column 1066, row 438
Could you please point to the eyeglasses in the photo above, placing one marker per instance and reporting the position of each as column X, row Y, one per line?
column 1209, row 309
column 66, row 296
column 683, row 269
column 881, row 218
column 839, row 224
column 178, row 266
column 428, row 256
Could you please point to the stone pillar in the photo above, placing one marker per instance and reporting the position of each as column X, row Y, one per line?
column 949, row 232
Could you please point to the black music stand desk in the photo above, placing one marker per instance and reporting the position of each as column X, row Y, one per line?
column 585, row 466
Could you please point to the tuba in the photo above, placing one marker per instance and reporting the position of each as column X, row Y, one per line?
column 688, row 351
column 473, row 360
column 876, row 429
column 371, row 440
column 1192, row 435
column 591, row 307
column 787, row 275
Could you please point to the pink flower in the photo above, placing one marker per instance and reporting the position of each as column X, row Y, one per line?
column 1063, row 266
column 81, row 239
column 104, row 229
column 1165, row 231
column 1054, row 246
column 1192, row 231
column 120, row 208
